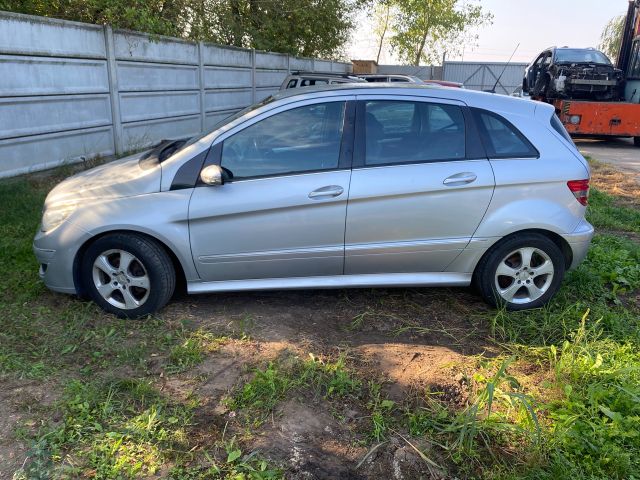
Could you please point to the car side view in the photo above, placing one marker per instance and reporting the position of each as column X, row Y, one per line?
column 354, row 185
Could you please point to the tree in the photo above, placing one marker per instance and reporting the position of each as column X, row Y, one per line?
column 611, row 38
column 381, row 22
column 425, row 29
column 162, row 17
column 299, row 27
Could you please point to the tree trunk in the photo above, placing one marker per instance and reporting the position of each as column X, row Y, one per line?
column 384, row 32
column 423, row 42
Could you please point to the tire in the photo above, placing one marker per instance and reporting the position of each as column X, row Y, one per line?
column 540, row 277
column 636, row 141
column 143, row 287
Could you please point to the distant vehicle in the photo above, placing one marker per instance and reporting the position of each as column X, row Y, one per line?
column 575, row 73
column 518, row 92
column 312, row 79
column 339, row 186
column 377, row 78
column 381, row 78
column 444, row 83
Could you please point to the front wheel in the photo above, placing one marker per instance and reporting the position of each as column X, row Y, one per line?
column 522, row 272
column 128, row 275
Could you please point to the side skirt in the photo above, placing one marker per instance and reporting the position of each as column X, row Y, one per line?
column 440, row 279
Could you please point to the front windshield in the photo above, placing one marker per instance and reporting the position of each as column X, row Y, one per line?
column 579, row 55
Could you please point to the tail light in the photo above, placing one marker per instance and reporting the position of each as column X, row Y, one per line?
column 580, row 190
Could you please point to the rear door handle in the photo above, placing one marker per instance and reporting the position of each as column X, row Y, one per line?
column 327, row 192
column 463, row 178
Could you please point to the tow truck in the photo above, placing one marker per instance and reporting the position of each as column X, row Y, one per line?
column 610, row 118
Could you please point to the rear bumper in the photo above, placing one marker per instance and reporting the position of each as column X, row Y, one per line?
column 579, row 241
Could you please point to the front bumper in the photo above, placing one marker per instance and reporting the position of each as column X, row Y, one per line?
column 56, row 252
column 579, row 241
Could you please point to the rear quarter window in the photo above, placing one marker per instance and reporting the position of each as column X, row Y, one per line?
column 557, row 125
column 501, row 138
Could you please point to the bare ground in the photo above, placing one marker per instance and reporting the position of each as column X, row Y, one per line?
column 410, row 340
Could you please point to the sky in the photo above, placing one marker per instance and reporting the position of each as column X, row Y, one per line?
column 536, row 25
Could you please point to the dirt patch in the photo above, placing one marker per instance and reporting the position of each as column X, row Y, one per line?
column 316, row 318
column 406, row 368
column 19, row 400
column 614, row 182
column 309, row 442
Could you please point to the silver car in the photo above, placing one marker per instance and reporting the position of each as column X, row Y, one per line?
column 356, row 185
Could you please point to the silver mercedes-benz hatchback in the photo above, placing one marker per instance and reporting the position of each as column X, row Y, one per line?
column 357, row 185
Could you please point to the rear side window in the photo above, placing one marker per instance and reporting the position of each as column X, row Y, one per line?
column 501, row 138
column 413, row 132
column 310, row 82
column 559, row 127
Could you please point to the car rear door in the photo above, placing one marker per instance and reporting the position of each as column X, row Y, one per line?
column 421, row 184
column 283, row 212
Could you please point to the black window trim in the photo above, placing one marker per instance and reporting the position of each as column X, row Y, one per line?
column 345, row 158
column 474, row 147
column 484, row 135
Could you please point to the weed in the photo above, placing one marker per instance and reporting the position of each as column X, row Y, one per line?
column 381, row 411
column 192, row 350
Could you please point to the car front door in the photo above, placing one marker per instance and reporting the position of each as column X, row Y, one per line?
column 282, row 213
column 420, row 186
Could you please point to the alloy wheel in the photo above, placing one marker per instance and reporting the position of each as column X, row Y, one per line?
column 524, row 275
column 121, row 279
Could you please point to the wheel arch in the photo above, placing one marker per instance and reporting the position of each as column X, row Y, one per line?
column 181, row 279
column 560, row 242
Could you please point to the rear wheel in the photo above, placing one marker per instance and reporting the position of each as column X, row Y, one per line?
column 128, row 275
column 521, row 272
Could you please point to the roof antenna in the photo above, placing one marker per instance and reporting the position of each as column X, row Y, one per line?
column 493, row 90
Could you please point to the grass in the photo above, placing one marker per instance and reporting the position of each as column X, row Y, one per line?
column 111, row 419
column 289, row 375
column 561, row 399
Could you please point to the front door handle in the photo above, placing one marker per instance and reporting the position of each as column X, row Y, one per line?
column 327, row 192
column 458, row 179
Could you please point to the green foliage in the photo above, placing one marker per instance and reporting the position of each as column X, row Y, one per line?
column 422, row 30
column 151, row 16
column 611, row 38
column 309, row 28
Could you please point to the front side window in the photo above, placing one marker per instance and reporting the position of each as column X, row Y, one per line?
column 405, row 132
column 302, row 139
column 501, row 138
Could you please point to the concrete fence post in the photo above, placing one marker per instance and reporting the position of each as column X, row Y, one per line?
column 114, row 95
column 253, row 75
column 201, row 77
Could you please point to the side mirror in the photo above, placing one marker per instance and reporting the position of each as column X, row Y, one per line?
column 212, row 175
